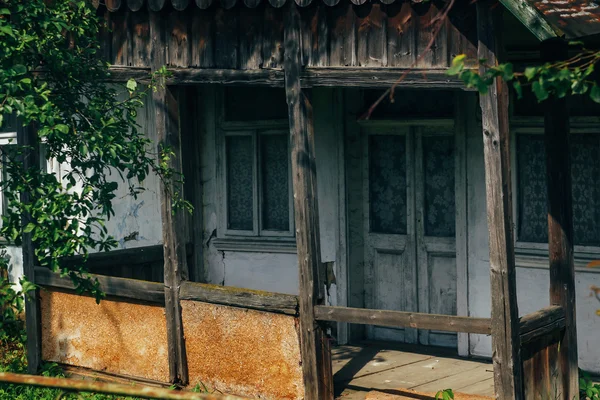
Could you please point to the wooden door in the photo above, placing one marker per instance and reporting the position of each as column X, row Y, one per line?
column 410, row 262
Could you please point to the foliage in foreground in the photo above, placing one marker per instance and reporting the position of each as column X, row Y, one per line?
column 52, row 78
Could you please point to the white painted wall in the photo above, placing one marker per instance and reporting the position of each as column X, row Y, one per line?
column 532, row 283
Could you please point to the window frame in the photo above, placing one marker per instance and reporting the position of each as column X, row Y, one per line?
column 258, row 238
column 531, row 254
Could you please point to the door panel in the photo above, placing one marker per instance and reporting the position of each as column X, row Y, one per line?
column 410, row 257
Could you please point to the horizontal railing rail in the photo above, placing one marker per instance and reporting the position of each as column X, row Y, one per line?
column 406, row 319
column 541, row 323
column 237, row 297
column 78, row 385
column 152, row 292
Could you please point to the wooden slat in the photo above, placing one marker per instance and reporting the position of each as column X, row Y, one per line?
column 121, row 46
column 135, row 5
column 134, row 256
column 531, row 18
column 27, row 137
column 180, row 5
column 237, row 297
column 371, row 34
column 178, row 38
column 496, row 143
column 226, row 38
column 166, row 111
column 401, row 43
column 140, row 28
column 316, row 363
column 403, row 319
column 152, row 292
column 156, row 5
column 273, row 38
column 342, row 35
column 202, row 40
column 560, row 221
column 542, row 322
column 251, row 54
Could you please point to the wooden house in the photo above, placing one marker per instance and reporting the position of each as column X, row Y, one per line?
column 379, row 224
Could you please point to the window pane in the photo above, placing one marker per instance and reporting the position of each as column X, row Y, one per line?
column 438, row 166
column 387, row 183
column 531, row 160
column 585, row 175
column 239, row 159
column 275, row 183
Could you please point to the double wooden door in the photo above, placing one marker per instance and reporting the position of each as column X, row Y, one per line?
column 410, row 249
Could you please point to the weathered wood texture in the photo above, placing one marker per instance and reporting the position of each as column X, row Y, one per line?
column 145, row 263
column 560, row 223
column 373, row 35
column 152, row 292
column 167, row 122
column 541, row 367
column 244, row 298
column 27, row 137
column 316, row 364
column 496, row 143
column 403, row 319
column 541, row 323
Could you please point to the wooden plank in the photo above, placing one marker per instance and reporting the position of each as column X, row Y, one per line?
column 315, row 35
column 140, row 28
column 152, row 292
column 371, row 22
column 342, row 35
column 541, row 367
column 316, row 363
column 496, row 143
column 226, row 38
column 403, row 319
column 121, row 46
column 401, row 31
column 238, row 297
column 273, row 38
column 560, row 222
column 27, row 137
column 178, row 39
column 134, row 256
column 540, row 323
column 428, row 23
column 166, row 111
column 251, row 23
column 531, row 18
column 202, row 40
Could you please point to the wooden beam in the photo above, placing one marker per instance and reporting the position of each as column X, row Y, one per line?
column 119, row 287
column 166, row 111
column 508, row 378
column 541, row 323
column 310, row 77
column 134, row 256
column 533, row 20
column 316, row 355
column 560, row 222
column 404, row 319
column 27, row 137
column 237, row 297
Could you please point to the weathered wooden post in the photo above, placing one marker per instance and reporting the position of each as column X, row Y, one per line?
column 508, row 375
column 315, row 352
column 26, row 136
column 560, row 224
column 168, row 132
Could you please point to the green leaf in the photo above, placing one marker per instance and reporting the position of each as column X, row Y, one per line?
column 131, row 85
column 62, row 128
column 530, row 73
column 29, row 228
column 518, row 89
column 20, row 69
column 540, row 92
column 4, row 11
column 26, row 81
column 595, row 94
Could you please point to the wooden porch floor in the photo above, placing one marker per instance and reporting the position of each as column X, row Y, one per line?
column 393, row 371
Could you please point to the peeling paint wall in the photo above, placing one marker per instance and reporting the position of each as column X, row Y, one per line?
column 243, row 352
column 115, row 337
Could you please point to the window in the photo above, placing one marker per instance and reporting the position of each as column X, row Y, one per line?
column 256, row 168
column 8, row 136
column 531, row 188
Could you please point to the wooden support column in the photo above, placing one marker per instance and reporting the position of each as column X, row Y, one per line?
column 560, row 224
column 167, row 118
column 496, row 142
column 26, row 136
column 315, row 351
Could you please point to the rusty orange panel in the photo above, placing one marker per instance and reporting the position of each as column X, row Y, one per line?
column 243, row 352
column 113, row 336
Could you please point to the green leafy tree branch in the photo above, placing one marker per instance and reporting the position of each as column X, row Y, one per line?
column 52, row 78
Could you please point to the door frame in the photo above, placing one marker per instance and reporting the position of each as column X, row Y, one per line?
column 461, row 123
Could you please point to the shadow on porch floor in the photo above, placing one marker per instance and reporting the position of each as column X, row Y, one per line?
column 384, row 371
